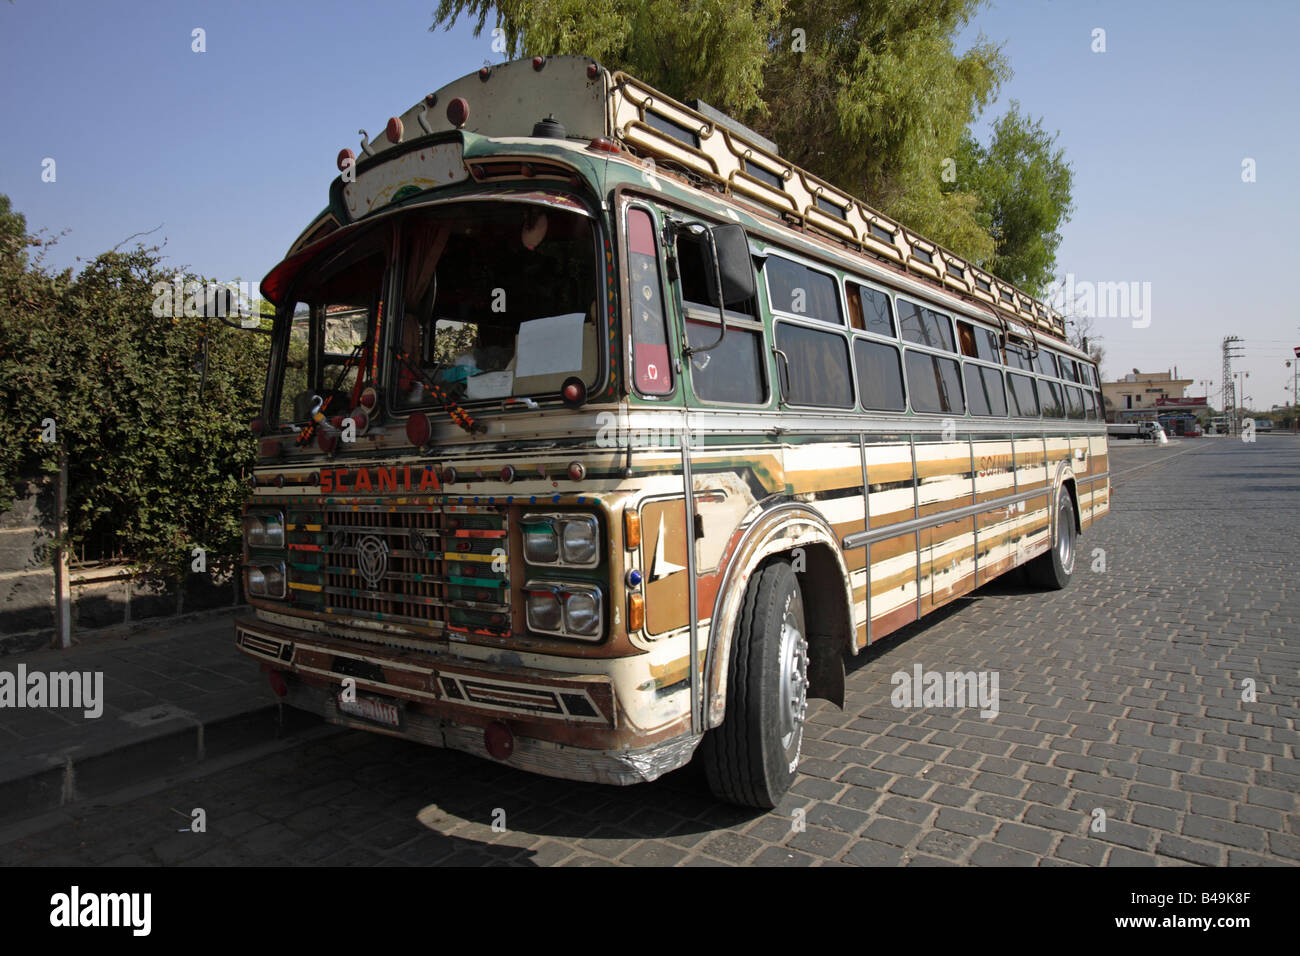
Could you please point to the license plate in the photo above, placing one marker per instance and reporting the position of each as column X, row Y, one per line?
column 374, row 709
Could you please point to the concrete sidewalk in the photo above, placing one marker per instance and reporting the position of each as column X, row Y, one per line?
column 172, row 696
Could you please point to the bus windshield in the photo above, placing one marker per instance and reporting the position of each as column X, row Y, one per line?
column 494, row 300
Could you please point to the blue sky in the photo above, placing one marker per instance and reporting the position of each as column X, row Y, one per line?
column 232, row 150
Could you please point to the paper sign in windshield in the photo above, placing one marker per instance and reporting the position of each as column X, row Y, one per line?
column 550, row 345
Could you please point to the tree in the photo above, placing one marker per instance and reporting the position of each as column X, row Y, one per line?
column 868, row 94
column 1024, row 184
column 154, row 464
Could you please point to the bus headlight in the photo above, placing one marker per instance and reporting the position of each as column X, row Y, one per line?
column 264, row 530
column 570, row 541
column 264, row 580
column 565, row 609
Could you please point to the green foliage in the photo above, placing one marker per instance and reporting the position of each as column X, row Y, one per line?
column 711, row 49
column 868, row 94
column 1024, row 185
column 152, row 464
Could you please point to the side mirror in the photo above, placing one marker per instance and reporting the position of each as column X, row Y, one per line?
column 732, row 264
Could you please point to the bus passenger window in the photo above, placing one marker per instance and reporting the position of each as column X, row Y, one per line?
column 1074, row 402
column 1024, row 396
column 873, row 312
column 732, row 372
column 934, row 383
column 795, row 289
column 651, row 364
column 1053, row 405
column 880, row 376
column 985, row 392
column 925, row 326
column 815, row 370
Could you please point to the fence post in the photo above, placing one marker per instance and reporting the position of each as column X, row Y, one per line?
column 62, row 568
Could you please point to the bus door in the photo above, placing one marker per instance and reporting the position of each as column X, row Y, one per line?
column 724, row 365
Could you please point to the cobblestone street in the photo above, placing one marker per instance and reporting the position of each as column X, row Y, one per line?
column 1122, row 736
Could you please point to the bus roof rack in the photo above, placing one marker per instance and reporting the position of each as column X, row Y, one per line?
column 744, row 164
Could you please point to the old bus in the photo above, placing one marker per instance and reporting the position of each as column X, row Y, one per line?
column 595, row 434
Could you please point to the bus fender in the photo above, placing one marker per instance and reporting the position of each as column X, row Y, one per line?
column 804, row 536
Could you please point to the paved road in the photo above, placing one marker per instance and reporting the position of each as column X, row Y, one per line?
column 1121, row 702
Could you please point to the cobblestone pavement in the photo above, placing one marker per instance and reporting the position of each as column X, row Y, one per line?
column 1121, row 698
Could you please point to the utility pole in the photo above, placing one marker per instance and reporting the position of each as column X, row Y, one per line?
column 1231, row 350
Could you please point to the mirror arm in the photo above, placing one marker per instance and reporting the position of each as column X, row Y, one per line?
column 689, row 350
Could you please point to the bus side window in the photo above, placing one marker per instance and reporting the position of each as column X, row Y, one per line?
column 734, row 372
column 651, row 363
column 295, row 395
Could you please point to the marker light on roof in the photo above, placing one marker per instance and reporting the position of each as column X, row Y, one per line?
column 603, row 145
column 458, row 112
column 346, row 158
column 394, row 129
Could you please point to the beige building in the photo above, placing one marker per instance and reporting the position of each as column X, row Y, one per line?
column 1137, row 394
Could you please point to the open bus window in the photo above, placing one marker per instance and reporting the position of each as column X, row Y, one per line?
column 869, row 309
column 328, row 330
column 498, row 299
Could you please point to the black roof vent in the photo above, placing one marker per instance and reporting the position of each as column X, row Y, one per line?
column 550, row 128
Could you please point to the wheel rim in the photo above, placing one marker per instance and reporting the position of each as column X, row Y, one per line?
column 794, row 684
column 1065, row 536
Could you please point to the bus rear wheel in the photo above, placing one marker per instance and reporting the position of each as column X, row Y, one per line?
column 1052, row 571
column 751, row 758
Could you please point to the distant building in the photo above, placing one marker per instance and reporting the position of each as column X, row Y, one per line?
column 1146, row 395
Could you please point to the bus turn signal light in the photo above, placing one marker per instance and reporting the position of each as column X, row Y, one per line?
column 635, row 612
column 631, row 530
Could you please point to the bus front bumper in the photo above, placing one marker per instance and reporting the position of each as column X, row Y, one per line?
column 560, row 725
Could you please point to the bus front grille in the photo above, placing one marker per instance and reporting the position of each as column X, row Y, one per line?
column 405, row 564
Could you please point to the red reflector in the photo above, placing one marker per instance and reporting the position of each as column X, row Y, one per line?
column 507, row 474
column 325, row 442
column 577, row 470
column 278, row 684
column 346, row 159
column 368, row 399
column 458, row 112
column 418, row 429
column 498, row 739
column 603, row 145
column 593, row 71
column 360, row 420
column 484, row 73
column 539, row 62
column 394, row 129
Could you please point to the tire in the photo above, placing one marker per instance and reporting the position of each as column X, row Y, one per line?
column 1052, row 571
column 750, row 759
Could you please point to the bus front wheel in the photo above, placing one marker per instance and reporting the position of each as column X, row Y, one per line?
column 750, row 759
